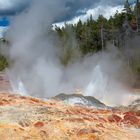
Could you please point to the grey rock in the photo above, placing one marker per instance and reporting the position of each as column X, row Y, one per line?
column 78, row 99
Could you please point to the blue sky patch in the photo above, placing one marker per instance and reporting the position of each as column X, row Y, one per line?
column 4, row 21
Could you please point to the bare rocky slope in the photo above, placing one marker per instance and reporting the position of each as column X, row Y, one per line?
column 64, row 117
column 28, row 118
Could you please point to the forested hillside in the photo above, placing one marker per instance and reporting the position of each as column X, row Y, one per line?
column 92, row 35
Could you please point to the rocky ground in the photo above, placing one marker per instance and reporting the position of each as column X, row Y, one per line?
column 27, row 118
column 64, row 117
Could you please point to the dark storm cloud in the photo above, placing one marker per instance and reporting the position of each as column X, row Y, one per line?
column 78, row 7
column 74, row 7
column 8, row 7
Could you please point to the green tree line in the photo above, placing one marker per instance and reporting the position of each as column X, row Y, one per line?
column 115, row 29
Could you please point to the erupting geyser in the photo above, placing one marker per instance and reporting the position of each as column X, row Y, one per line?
column 98, row 84
column 19, row 88
column 47, row 64
column 39, row 63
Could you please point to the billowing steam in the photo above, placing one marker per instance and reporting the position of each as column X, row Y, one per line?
column 36, row 69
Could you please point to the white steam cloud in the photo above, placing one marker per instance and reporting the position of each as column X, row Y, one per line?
column 36, row 68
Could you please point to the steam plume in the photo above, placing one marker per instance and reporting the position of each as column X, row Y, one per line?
column 36, row 68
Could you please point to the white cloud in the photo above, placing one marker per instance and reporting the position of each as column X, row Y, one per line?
column 12, row 4
column 8, row 4
column 106, row 11
column 2, row 31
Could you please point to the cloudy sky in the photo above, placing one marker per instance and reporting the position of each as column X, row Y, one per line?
column 77, row 8
column 9, row 7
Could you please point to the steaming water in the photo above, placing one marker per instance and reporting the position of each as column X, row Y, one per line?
column 18, row 87
column 99, row 87
column 98, row 84
column 36, row 55
column 107, row 90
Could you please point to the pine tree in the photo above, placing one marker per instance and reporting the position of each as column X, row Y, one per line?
column 127, row 8
column 137, row 14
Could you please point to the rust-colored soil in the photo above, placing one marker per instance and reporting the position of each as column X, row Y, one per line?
column 27, row 118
